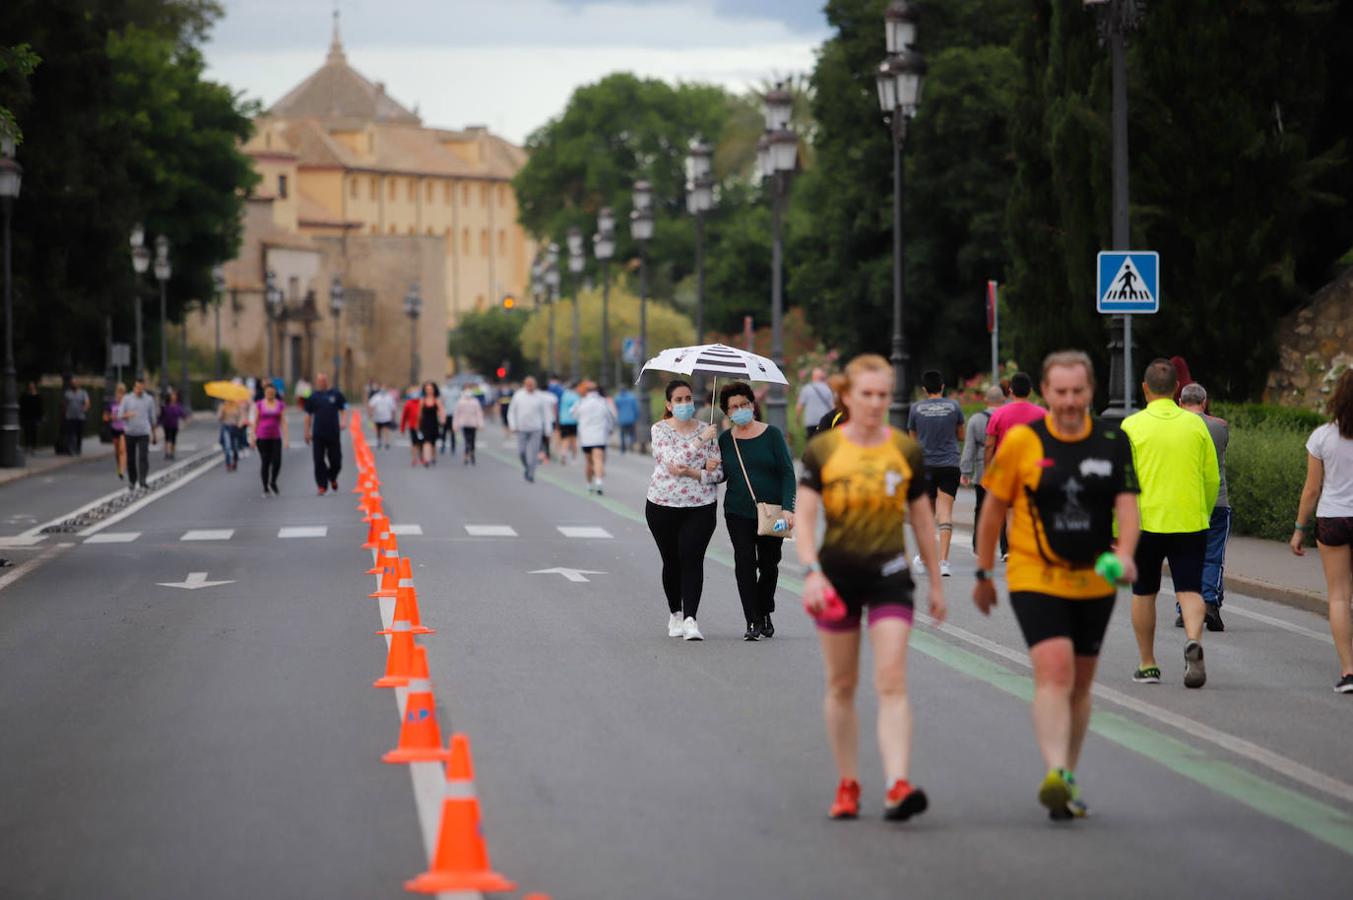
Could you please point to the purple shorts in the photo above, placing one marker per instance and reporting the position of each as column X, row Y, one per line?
column 887, row 596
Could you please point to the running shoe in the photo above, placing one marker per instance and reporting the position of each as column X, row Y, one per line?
column 322, row 491
column 674, row 625
column 691, row 631
column 944, row 568
column 767, row 627
column 1195, row 672
column 601, row 488
column 1212, row 619
column 904, row 801
column 1055, row 792
column 1147, row 675
column 1344, row 685
column 1179, row 620
column 917, row 566
column 333, row 485
column 753, row 632
column 847, row 804
column 1076, row 805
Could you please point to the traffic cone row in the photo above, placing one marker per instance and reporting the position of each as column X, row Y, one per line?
column 461, row 859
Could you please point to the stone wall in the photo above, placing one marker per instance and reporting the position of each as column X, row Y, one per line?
column 1315, row 347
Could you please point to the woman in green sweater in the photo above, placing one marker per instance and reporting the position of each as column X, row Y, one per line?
column 765, row 456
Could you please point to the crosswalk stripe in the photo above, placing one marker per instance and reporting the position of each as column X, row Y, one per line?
column 113, row 537
column 491, row 530
column 208, row 534
column 400, row 530
column 583, row 531
column 303, row 531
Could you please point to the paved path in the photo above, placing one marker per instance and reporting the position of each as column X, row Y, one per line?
column 225, row 742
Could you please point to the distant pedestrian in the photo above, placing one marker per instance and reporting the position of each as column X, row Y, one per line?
column 431, row 415
column 568, row 423
column 469, row 417
column 757, row 469
column 530, row 418
column 972, row 464
column 172, row 415
column 138, row 415
column 408, row 422
column 270, row 436
column 30, row 415
column 1017, row 410
column 1193, row 398
column 502, row 400
column 681, row 505
column 1183, row 378
column 448, row 431
column 815, row 401
column 112, row 415
column 324, row 430
column 382, row 407
column 75, row 405
column 1176, row 466
column 937, row 424
column 596, row 421
column 627, row 416
column 1328, row 493
column 229, row 415
column 838, row 414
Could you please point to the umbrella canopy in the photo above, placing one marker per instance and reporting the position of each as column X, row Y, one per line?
column 228, row 390
column 719, row 360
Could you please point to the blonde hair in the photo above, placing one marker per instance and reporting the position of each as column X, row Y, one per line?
column 1069, row 358
column 860, row 365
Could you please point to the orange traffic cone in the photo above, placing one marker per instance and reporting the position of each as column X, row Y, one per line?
column 389, row 582
column 461, row 862
column 406, row 601
column 420, row 739
column 387, row 555
column 379, row 525
column 401, row 663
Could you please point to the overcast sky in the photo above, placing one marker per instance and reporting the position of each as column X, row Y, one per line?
column 511, row 64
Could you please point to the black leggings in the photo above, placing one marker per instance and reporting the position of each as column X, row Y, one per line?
column 756, row 566
column 270, row 460
column 682, row 534
column 468, row 433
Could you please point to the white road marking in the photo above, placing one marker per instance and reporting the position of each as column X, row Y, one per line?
column 113, row 537
column 12, row 575
column 1323, row 637
column 194, row 581
column 491, row 530
column 208, row 534
column 303, row 531
column 575, row 575
column 9, row 543
column 583, row 531
column 399, row 530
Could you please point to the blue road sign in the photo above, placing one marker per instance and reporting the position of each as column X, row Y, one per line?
column 1129, row 282
column 629, row 350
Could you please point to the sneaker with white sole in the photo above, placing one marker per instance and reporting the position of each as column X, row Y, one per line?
column 691, row 631
column 1195, row 672
column 674, row 628
column 916, row 565
column 944, row 568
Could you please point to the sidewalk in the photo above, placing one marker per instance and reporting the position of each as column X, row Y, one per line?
column 45, row 460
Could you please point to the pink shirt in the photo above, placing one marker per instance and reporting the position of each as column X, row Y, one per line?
column 1016, row 412
column 269, row 421
column 670, row 446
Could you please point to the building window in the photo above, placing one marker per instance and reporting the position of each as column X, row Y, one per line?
column 430, row 233
column 479, row 303
column 391, row 229
column 465, row 195
column 391, row 186
column 410, row 231
column 448, row 193
column 429, row 192
column 484, row 242
column 375, row 229
column 375, row 188
column 484, row 196
column 293, row 288
column 502, row 242
column 502, row 195
column 282, row 186
column 465, row 241
column 413, row 194
column 352, row 188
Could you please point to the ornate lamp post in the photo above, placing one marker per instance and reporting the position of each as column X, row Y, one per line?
column 218, row 284
column 552, row 290
column 11, row 177
column 413, row 308
column 777, row 157
column 336, row 309
column 576, row 262
column 699, row 200
column 603, row 248
column 272, row 297
column 162, row 273
column 899, row 88
column 641, row 231
column 140, row 264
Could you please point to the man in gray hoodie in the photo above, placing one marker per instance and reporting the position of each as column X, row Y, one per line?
column 139, row 420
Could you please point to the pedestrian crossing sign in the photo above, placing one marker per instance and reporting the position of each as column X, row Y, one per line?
column 1129, row 282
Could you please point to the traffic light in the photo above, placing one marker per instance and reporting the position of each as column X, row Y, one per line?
column 502, row 372
column 509, row 302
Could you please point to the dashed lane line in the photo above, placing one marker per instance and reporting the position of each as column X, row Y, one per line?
column 23, row 568
column 410, row 530
column 584, row 531
column 208, row 534
column 113, row 537
column 490, row 531
column 303, row 531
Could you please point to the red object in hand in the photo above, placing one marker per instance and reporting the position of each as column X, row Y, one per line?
column 834, row 607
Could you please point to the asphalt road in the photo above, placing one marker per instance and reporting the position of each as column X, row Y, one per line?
column 225, row 742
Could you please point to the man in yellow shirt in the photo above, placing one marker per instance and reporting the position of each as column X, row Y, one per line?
column 1176, row 466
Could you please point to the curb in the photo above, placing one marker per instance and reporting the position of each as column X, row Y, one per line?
column 29, row 472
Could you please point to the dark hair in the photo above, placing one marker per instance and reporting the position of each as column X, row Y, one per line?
column 672, row 389
column 1161, row 378
column 932, row 381
column 1021, row 385
column 1341, row 404
column 736, row 389
column 436, row 392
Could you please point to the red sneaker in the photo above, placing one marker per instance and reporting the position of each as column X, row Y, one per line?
column 322, row 491
column 904, row 801
column 847, row 805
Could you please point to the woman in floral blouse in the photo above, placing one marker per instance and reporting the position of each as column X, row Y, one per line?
column 682, row 500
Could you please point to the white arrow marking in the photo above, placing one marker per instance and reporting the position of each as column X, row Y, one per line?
column 194, row 581
column 575, row 575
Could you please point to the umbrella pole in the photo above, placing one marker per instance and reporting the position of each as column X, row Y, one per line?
column 713, row 392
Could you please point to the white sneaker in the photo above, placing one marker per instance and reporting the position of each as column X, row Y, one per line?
column 600, row 486
column 690, row 631
column 674, row 628
column 916, row 565
column 944, row 568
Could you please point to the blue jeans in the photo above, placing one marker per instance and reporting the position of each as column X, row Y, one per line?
column 1214, row 563
column 228, row 438
column 627, row 437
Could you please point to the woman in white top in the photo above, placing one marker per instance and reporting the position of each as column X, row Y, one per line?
column 469, row 417
column 682, row 500
column 595, row 421
column 1328, row 493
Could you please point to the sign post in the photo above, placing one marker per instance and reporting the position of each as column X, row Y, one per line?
column 1128, row 284
column 994, row 329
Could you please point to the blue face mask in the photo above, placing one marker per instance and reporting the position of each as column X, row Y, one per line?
column 684, row 412
column 742, row 416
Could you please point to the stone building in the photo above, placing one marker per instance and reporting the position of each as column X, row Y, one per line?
column 355, row 187
column 1315, row 347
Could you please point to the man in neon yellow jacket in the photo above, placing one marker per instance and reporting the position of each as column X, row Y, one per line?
column 1176, row 467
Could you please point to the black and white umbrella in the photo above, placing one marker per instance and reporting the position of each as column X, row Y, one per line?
column 719, row 360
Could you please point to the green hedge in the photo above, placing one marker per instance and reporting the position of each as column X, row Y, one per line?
column 1265, row 469
column 1260, row 415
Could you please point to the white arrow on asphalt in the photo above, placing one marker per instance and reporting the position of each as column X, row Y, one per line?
column 194, row 581
column 570, row 574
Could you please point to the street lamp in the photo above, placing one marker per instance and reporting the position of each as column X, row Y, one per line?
column 11, row 177
column 699, row 200
column 777, row 158
column 641, row 231
column 899, row 88
column 162, row 272
column 272, row 297
column 140, row 265
column 576, row 262
column 552, row 296
column 218, row 284
column 336, row 309
column 603, row 248
column 413, row 307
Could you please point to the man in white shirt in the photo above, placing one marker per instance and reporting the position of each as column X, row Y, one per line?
column 382, row 406
column 815, row 401
column 530, row 416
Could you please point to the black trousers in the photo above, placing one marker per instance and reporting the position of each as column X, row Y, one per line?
column 328, row 454
column 469, row 434
column 138, row 458
column 30, row 434
column 756, row 566
column 682, row 534
column 74, row 431
column 270, row 461
column 977, row 517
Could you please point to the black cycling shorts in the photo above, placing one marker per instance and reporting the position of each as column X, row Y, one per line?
column 568, row 431
column 1185, row 551
column 1043, row 616
column 888, row 596
column 1332, row 531
column 942, row 478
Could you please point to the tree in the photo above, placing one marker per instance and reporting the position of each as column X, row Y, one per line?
column 489, row 339
column 16, row 64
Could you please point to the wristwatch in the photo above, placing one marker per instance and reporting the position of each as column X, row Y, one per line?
column 815, row 566
column 982, row 574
